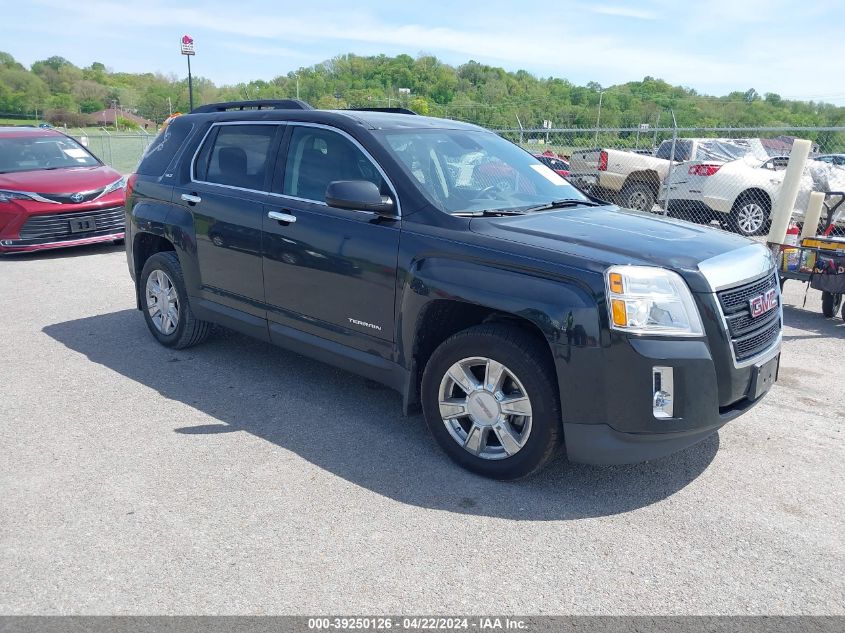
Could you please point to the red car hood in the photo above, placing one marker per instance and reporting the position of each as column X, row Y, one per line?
column 68, row 180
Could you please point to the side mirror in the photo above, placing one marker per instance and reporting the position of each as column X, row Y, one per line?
column 358, row 195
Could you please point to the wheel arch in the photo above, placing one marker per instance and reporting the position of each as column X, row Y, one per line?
column 648, row 177
column 754, row 192
column 158, row 228
column 144, row 246
column 442, row 306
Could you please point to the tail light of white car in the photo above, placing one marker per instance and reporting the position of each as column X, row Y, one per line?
column 703, row 169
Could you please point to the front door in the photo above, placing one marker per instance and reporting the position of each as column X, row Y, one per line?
column 329, row 272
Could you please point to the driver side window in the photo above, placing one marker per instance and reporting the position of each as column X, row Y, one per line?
column 317, row 156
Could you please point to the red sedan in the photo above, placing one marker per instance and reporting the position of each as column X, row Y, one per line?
column 555, row 163
column 55, row 193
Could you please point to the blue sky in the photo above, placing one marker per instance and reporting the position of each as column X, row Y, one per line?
column 715, row 46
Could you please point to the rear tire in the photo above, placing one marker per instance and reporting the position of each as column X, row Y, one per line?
column 831, row 303
column 164, row 302
column 637, row 196
column 500, row 416
column 750, row 214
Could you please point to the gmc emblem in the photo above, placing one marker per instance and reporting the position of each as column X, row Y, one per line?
column 763, row 303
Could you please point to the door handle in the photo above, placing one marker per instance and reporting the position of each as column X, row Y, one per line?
column 287, row 218
column 190, row 198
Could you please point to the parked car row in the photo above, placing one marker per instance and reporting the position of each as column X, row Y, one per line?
column 731, row 181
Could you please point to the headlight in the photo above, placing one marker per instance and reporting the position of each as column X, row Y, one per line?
column 646, row 300
column 120, row 183
column 7, row 196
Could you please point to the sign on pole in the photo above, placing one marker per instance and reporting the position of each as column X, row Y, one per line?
column 188, row 45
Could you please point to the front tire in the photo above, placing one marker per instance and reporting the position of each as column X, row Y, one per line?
column 490, row 401
column 164, row 301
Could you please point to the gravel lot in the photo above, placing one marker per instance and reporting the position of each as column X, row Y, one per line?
column 237, row 478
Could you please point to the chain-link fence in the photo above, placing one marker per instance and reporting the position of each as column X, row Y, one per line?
column 728, row 177
column 121, row 150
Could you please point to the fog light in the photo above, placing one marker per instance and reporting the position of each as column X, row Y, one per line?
column 663, row 393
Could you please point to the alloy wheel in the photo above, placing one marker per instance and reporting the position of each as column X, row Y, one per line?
column 485, row 408
column 750, row 218
column 162, row 302
column 638, row 201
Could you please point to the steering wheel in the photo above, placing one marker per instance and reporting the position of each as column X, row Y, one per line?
column 492, row 190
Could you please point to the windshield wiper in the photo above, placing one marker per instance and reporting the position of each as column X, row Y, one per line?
column 487, row 213
column 562, row 204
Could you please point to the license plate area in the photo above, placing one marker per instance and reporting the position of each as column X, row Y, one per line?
column 765, row 375
column 83, row 225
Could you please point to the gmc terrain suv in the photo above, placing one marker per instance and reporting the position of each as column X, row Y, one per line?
column 441, row 260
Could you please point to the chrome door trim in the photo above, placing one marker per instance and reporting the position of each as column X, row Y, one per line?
column 286, row 196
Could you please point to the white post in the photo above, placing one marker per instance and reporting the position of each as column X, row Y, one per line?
column 785, row 203
column 813, row 215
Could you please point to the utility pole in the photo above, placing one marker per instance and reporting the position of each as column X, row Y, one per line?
column 188, row 50
column 598, row 118
column 190, row 84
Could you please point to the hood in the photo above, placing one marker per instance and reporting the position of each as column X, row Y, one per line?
column 609, row 235
column 66, row 180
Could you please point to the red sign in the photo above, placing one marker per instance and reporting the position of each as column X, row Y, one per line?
column 188, row 45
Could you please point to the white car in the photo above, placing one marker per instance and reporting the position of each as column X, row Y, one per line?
column 738, row 193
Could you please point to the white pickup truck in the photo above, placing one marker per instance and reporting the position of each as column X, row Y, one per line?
column 633, row 180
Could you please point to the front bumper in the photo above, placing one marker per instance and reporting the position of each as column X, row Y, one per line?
column 29, row 246
column 603, row 445
column 608, row 409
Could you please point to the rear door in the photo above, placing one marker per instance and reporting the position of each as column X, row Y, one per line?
column 329, row 272
column 230, row 178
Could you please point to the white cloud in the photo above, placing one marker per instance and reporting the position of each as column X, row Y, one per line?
column 625, row 12
column 721, row 53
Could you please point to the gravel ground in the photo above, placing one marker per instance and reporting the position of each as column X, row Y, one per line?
column 237, row 478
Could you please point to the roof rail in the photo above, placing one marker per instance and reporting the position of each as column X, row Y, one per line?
column 389, row 110
column 258, row 104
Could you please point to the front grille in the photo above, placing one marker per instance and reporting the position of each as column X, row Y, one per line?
column 66, row 198
column 56, row 226
column 750, row 335
column 752, row 344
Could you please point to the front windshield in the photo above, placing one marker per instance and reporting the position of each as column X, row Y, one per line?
column 465, row 171
column 32, row 153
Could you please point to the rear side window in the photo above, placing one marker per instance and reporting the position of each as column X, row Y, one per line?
column 683, row 150
column 162, row 150
column 237, row 156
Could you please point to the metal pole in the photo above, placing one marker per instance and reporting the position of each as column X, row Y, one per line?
column 671, row 162
column 656, row 125
column 598, row 118
column 297, row 85
column 190, row 84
